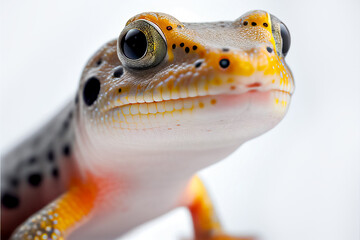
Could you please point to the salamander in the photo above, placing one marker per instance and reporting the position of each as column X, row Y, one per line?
column 154, row 106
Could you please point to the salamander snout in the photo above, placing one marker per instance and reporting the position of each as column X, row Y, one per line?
column 242, row 62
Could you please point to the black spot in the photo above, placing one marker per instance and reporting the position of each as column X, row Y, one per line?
column 10, row 201
column 98, row 63
column 169, row 28
column 265, row 24
column 194, row 47
column 66, row 124
column 174, row 46
column 245, row 23
column 119, row 90
column 198, row 64
column 224, row 63
column 187, row 50
column 50, row 155
column 66, row 150
column 70, row 115
column 55, row 172
column 119, row 71
column 179, row 26
column 253, row 23
column 225, row 49
column 76, row 99
column 32, row 160
column 182, row 44
column 91, row 90
column 35, row 179
column 14, row 182
column 269, row 49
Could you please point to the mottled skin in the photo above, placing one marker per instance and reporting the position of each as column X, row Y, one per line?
column 125, row 151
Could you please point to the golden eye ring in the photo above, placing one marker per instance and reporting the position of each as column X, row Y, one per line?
column 141, row 45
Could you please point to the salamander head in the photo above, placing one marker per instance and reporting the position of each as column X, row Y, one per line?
column 164, row 83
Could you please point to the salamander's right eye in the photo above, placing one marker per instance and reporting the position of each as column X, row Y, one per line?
column 141, row 45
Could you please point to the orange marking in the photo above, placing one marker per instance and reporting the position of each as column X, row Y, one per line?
column 257, row 84
column 217, row 81
column 203, row 214
column 75, row 204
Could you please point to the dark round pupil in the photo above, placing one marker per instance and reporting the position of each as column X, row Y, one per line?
column 134, row 44
column 285, row 35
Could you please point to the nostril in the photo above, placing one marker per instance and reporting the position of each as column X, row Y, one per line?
column 198, row 64
column 269, row 49
column 224, row 63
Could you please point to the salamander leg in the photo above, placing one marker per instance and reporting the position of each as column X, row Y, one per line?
column 205, row 221
column 59, row 218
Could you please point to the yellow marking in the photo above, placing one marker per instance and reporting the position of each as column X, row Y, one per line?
column 213, row 101
column 61, row 217
column 217, row 81
column 170, row 54
column 277, row 101
column 201, row 105
column 230, row 80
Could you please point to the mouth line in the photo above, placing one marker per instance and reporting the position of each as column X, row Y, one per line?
column 253, row 90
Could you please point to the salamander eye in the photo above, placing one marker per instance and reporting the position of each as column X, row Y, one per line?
column 285, row 36
column 134, row 44
column 141, row 45
column 281, row 35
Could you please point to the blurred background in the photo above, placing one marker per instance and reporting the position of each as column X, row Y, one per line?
column 300, row 181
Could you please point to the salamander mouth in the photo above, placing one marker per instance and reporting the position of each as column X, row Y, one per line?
column 186, row 103
column 193, row 92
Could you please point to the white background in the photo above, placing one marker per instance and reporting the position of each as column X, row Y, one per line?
column 299, row 181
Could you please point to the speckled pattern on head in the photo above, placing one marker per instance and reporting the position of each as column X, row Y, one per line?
column 154, row 106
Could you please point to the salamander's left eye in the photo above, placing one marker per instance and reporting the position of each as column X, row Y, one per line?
column 141, row 45
column 134, row 44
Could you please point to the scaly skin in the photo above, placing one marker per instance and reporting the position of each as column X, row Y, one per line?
column 141, row 127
